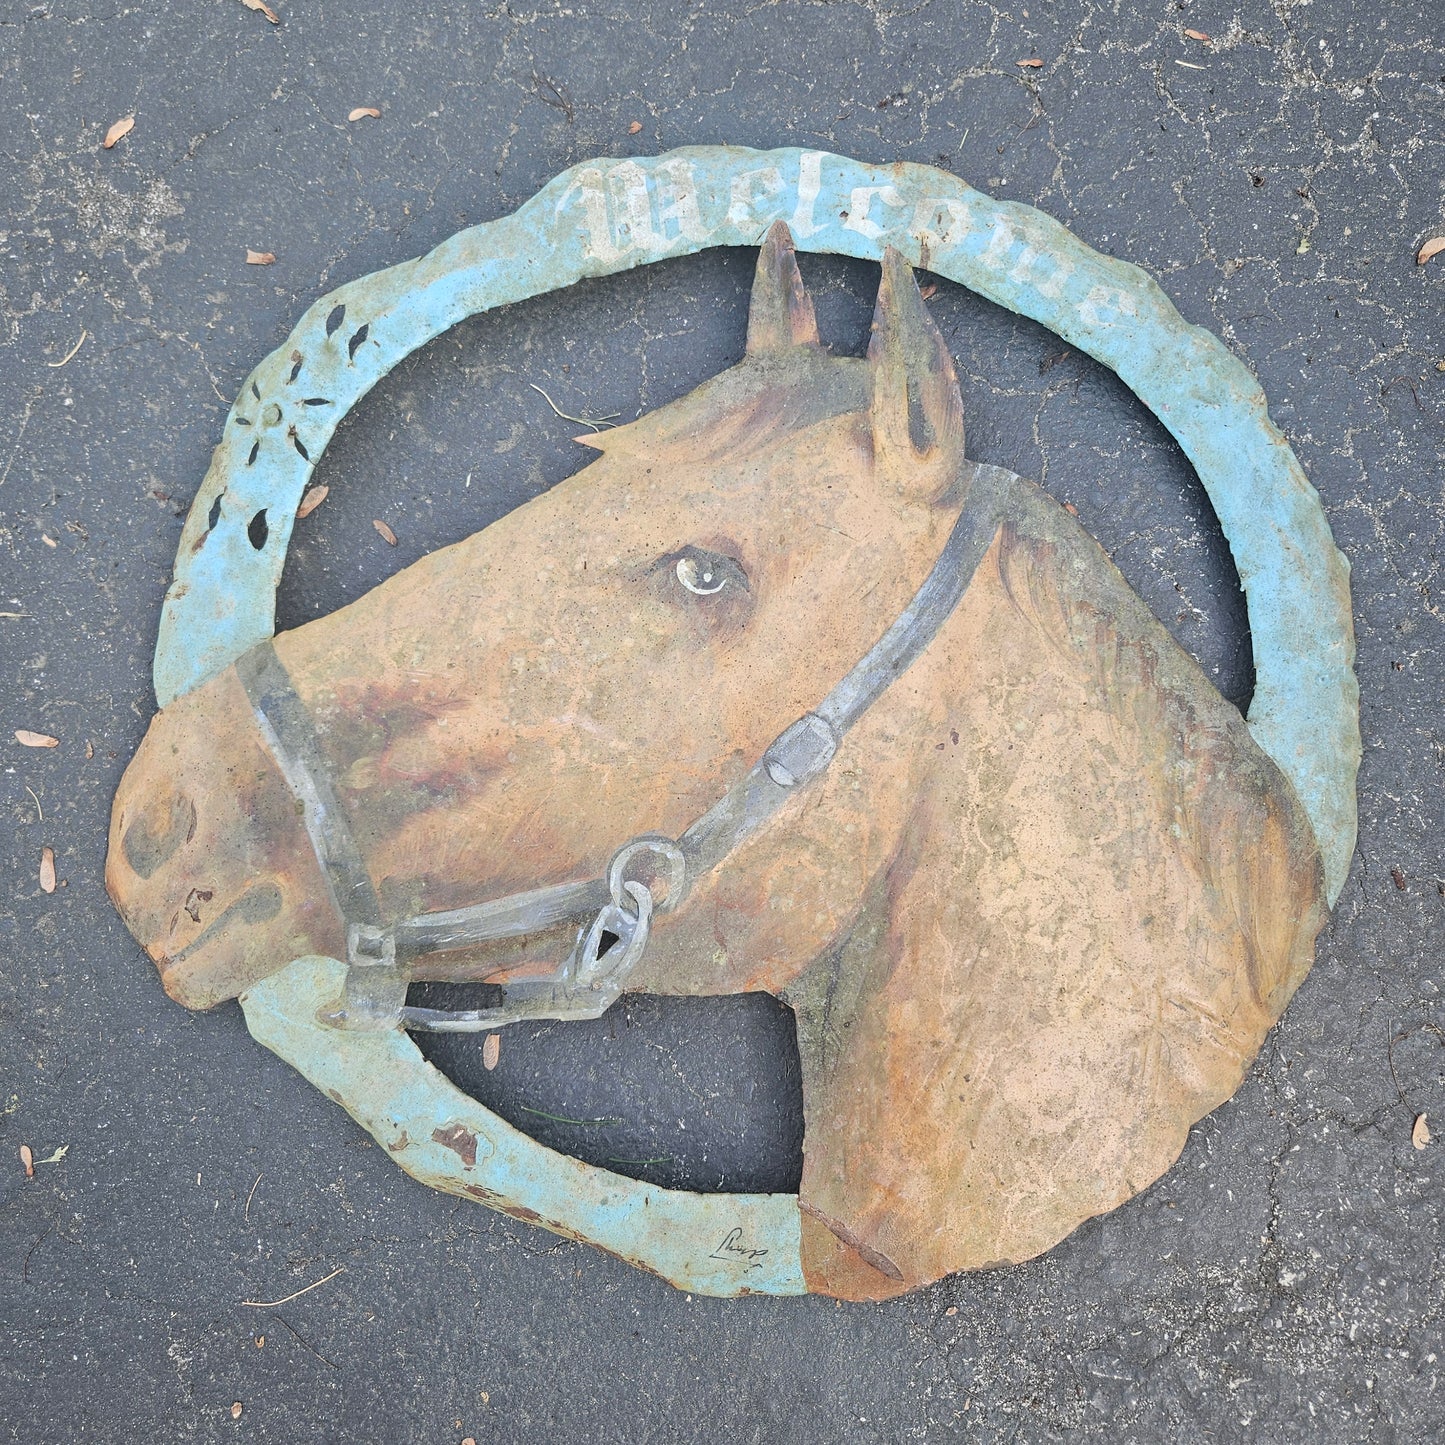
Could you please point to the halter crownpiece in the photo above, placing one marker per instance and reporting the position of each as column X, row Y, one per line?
column 1033, row 890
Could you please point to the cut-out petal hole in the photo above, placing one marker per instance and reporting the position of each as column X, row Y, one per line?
column 333, row 322
column 354, row 345
column 258, row 529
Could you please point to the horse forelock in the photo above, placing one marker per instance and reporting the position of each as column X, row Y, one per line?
column 745, row 411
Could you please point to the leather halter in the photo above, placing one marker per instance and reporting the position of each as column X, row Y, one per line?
column 378, row 954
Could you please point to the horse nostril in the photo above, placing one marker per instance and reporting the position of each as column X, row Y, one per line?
column 157, row 832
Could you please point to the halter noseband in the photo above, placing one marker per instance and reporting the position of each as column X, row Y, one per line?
column 620, row 908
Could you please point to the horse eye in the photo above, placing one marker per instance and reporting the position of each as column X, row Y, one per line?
column 707, row 573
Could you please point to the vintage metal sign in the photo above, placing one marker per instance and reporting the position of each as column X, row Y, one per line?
column 782, row 692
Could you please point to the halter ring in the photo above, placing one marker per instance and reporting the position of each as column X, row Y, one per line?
column 663, row 849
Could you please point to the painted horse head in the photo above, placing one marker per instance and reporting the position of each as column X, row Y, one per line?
column 591, row 667
column 1034, row 917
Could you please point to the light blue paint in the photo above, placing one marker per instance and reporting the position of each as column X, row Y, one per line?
column 607, row 216
column 717, row 1244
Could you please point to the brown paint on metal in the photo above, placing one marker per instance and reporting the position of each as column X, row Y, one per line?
column 204, row 807
column 875, row 1259
column 460, row 1140
column 1103, row 897
column 1024, row 960
column 836, row 1269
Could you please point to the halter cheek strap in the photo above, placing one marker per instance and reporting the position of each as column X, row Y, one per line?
column 616, row 911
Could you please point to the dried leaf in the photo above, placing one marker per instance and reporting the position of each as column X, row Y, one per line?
column 264, row 8
column 634, row 127
column 313, row 499
column 1420, row 1134
column 259, row 258
column 89, row 749
column 28, row 739
column 491, row 1051
column 118, row 131
column 47, row 870
column 235, row 1410
column 928, row 291
column 1432, row 247
column 1398, row 878
column 55, row 1158
column 1197, row 35
column 28, row 1160
column 364, row 110
column 387, row 535
column 1031, row 64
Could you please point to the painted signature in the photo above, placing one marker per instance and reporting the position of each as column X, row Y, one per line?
column 733, row 1251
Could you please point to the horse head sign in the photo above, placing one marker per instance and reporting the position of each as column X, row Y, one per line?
column 782, row 692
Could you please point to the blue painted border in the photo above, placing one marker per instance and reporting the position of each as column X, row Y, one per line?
column 717, row 1244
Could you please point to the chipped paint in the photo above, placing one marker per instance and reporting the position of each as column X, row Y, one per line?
column 383, row 1082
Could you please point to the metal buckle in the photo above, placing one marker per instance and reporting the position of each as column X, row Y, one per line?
column 368, row 946
column 586, row 985
column 375, row 992
column 801, row 751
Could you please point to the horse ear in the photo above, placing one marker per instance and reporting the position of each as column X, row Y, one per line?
column 916, row 410
column 781, row 313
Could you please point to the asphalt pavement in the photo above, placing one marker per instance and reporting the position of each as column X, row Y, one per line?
column 1277, row 177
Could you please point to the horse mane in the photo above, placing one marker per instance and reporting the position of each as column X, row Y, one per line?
column 905, row 395
column 745, row 411
column 1149, row 686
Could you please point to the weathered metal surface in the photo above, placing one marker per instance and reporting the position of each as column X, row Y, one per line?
column 1086, row 968
column 606, row 216
column 718, row 1244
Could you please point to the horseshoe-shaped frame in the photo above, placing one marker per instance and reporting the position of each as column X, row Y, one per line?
column 606, row 216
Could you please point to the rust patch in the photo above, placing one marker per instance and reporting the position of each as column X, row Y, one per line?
column 461, row 1141
column 874, row 1257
